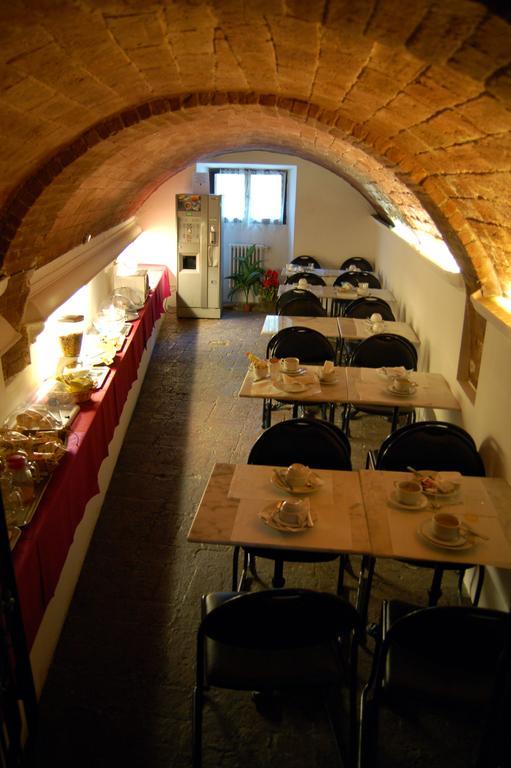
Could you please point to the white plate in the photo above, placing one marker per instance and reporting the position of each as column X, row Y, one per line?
column 333, row 380
column 461, row 543
column 266, row 517
column 409, row 507
column 439, row 496
column 298, row 372
column 397, row 393
column 297, row 490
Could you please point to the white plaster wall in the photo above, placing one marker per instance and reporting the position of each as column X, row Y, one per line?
column 332, row 220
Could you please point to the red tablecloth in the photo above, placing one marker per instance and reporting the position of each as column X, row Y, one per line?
column 42, row 550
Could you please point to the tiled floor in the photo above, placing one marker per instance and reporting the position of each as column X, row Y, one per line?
column 119, row 690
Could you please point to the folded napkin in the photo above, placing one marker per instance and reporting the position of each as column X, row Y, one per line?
column 389, row 372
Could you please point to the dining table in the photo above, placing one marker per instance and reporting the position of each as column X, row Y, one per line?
column 329, row 294
column 358, row 386
column 355, row 513
column 326, row 273
column 358, row 329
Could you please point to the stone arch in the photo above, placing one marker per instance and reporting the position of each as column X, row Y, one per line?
column 409, row 103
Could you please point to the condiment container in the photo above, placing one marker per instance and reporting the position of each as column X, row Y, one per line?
column 70, row 330
column 22, row 478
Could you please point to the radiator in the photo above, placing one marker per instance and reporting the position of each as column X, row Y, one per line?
column 239, row 250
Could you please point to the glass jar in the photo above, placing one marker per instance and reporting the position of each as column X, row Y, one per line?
column 22, row 478
column 70, row 330
column 13, row 504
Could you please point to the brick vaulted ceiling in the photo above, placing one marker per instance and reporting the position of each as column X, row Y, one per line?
column 102, row 100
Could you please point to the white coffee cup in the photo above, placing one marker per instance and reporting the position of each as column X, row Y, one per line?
column 293, row 512
column 445, row 526
column 290, row 364
column 402, row 384
column 377, row 327
column 408, row 492
column 376, row 317
column 328, row 370
column 297, row 474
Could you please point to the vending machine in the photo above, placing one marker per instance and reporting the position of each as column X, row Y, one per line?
column 199, row 275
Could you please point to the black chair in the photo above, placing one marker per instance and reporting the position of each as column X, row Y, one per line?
column 382, row 349
column 359, row 262
column 311, row 278
column 306, row 261
column 436, row 672
column 434, row 445
column 366, row 306
column 347, row 277
column 305, row 343
column 296, row 293
column 302, row 307
column 315, row 443
column 292, row 641
column 368, row 277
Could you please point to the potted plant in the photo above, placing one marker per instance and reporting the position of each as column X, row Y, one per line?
column 268, row 290
column 247, row 277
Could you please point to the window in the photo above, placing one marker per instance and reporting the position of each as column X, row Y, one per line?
column 251, row 195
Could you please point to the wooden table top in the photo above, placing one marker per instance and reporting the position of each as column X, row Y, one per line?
column 355, row 329
column 367, row 385
column 314, row 392
column 357, row 386
column 354, row 513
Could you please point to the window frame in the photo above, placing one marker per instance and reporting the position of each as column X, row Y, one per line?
column 248, row 172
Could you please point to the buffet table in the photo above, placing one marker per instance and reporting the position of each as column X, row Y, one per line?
column 43, row 547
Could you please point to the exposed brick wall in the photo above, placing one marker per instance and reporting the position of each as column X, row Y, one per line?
column 100, row 102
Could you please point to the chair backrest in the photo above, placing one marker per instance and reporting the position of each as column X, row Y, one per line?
column 306, row 343
column 306, row 261
column 347, row 277
column 313, row 442
column 302, row 307
column 436, row 445
column 446, row 639
column 368, row 277
column 296, row 293
column 281, row 618
column 366, row 306
column 359, row 262
column 384, row 349
column 309, row 276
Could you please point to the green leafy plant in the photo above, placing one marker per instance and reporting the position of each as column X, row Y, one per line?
column 248, row 275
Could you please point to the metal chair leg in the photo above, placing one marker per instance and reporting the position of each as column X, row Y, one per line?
column 435, row 591
column 234, row 580
column 278, row 580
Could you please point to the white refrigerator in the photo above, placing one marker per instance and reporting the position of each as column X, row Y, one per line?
column 199, row 273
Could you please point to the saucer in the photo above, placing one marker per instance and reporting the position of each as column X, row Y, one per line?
column 298, row 372
column 330, row 380
column 409, row 507
column 297, row 490
column 461, row 543
column 398, row 393
column 272, row 522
